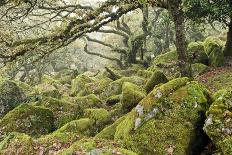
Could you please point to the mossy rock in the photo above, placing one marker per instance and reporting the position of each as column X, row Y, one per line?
column 210, row 43
column 112, row 100
column 109, row 131
column 199, row 69
column 156, row 78
column 216, row 57
column 64, row 137
column 49, row 80
column 96, row 146
column 166, row 59
column 115, row 87
column 218, row 124
column 144, row 73
column 29, row 119
column 99, row 116
column 131, row 95
column 98, row 86
column 63, row 112
column 89, row 101
column 197, row 53
column 10, row 96
column 27, row 89
column 78, row 84
column 17, row 143
column 165, row 121
column 47, row 90
column 167, row 63
column 66, row 76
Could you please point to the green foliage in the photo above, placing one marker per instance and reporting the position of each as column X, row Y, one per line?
column 213, row 10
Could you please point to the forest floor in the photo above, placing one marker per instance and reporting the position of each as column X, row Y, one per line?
column 218, row 78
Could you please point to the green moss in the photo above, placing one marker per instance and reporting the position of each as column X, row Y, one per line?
column 144, row 73
column 131, row 95
column 66, row 76
column 112, row 100
column 78, row 84
column 156, row 78
column 216, row 57
column 64, row 112
column 225, row 146
column 210, row 43
column 96, row 146
column 167, row 63
column 166, row 119
column 28, row 119
column 109, row 131
column 164, row 59
column 100, row 116
column 64, row 137
column 98, row 86
column 90, row 101
column 219, row 116
column 27, row 89
column 115, row 87
column 10, row 96
column 197, row 53
column 47, row 90
column 199, row 69
column 17, row 143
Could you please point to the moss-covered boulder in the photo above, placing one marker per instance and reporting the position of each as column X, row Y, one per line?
column 109, row 131
column 156, row 78
column 63, row 112
column 210, row 43
column 167, row 63
column 199, row 69
column 17, row 143
column 78, row 84
column 10, row 96
column 89, row 101
column 98, row 86
column 197, row 53
column 165, row 121
column 96, row 146
column 165, row 59
column 99, row 116
column 28, row 119
column 27, row 89
column 115, row 87
column 216, row 57
column 218, row 124
column 112, row 100
column 47, row 90
column 144, row 73
column 65, row 76
column 131, row 95
column 63, row 137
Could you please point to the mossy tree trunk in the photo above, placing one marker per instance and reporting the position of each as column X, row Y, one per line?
column 228, row 47
column 177, row 14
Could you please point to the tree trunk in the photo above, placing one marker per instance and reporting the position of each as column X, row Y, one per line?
column 228, row 47
column 176, row 11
